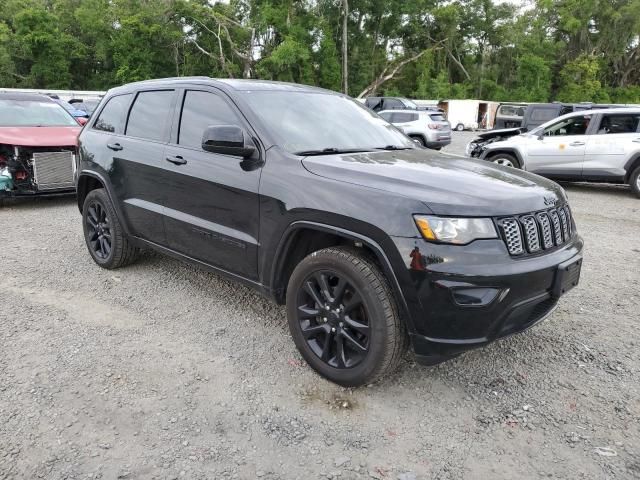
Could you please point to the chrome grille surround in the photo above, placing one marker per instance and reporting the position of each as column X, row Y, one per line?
column 53, row 170
column 563, row 221
column 513, row 236
column 530, row 231
column 557, row 230
column 545, row 228
column 537, row 231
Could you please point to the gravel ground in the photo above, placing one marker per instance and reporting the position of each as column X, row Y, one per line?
column 161, row 370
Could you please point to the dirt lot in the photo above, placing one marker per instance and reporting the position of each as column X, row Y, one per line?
column 164, row 371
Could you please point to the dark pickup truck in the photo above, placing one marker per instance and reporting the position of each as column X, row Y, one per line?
column 373, row 242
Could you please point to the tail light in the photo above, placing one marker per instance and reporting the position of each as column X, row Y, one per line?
column 434, row 126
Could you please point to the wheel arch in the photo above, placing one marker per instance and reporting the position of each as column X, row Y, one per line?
column 89, row 180
column 292, row 248
column 630, row 167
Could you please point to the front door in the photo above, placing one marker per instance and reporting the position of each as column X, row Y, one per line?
column 559, row 151
column 211, row 200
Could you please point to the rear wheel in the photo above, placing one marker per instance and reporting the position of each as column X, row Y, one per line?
column 634, row 181
column 420, row 140
column 460, row 127
column 107, row 243
column 506, row 160
column 343, row 317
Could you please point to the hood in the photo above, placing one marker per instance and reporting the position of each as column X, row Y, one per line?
column 502, row 132
column 40, row 136
column 448, row 185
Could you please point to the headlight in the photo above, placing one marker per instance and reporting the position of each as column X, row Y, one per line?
column 455, row 230
column 467, row 150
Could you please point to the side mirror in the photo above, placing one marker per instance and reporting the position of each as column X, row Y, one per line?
column 228, row 140
column 82, row 121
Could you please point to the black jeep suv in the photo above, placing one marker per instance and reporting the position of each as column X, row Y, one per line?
column 314, row 200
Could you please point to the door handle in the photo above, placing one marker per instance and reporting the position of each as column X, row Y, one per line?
column 576, row 144
column 636, row 140
column 114, row 146
column 177, row 160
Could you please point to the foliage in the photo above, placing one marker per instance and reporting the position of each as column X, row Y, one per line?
column 569, row 50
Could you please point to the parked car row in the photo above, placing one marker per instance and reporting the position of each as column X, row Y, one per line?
column 347, row 222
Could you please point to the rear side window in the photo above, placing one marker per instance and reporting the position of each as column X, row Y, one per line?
column 437, row 117
column 387, row 116
column 620, row 123
column 149, row 115
column 404, row 117
column 113, row 116
column 199, row 111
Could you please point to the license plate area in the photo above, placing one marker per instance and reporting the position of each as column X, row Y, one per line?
column 567, row 277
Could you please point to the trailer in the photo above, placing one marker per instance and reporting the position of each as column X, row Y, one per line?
column 469, row 114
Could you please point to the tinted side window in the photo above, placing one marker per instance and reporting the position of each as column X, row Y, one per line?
column 199, row 111
column 149, row 115
column 393, row 103
column 404, row 117
column 113, row 115
column 619, row 124
column 543, row 114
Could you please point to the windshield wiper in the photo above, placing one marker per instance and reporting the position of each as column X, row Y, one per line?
column 394, row 147
column 331, row 151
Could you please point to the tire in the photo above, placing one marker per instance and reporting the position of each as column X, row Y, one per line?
column 323, row 320
column 103, row 234
column 634, row 182
column 459, row 127
column 422, row 141
column 505, row 159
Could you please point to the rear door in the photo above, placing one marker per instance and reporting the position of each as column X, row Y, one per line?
column 559, row 152
column 129, row 162
column 211, row 199
column 139, row 159
column 617, row 137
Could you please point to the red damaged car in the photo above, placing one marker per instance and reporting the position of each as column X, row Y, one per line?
column 38, row 144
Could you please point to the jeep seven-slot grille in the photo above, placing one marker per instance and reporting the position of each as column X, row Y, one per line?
column 536, row 232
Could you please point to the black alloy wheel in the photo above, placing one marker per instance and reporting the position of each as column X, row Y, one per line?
column 99, row 230
column 333, row 319
column 343, row 316
column 106, row 240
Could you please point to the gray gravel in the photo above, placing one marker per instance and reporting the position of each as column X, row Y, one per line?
column 161, row 370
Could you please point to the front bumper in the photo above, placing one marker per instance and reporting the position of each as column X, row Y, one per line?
column 464, row 297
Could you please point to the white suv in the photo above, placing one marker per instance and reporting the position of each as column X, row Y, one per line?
column 429, row 127
column 594, row 145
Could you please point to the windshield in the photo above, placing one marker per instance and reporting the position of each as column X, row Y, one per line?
column 306, row 121
column 30, row 113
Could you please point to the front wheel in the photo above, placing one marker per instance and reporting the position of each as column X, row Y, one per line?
column 506, row 160
column 634, row 181
column 460, row 127
column 343, row 317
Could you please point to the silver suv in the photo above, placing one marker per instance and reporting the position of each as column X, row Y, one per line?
column 595, row 146
column 428, row 127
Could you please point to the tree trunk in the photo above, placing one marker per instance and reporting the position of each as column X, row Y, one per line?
column 345, row 48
